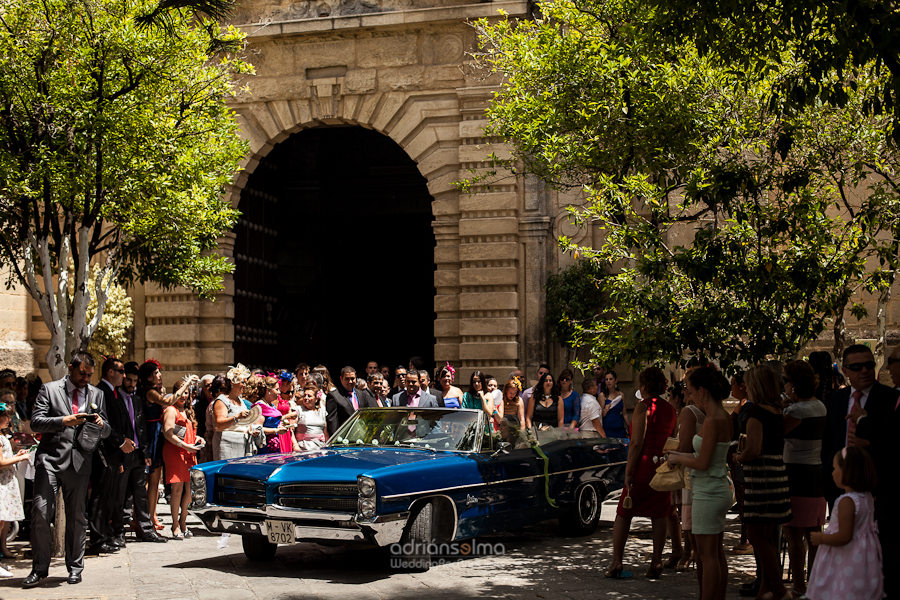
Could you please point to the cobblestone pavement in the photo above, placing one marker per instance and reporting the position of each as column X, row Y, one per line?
column 536, row 563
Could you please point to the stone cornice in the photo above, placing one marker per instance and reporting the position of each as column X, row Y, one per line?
column 384, row 20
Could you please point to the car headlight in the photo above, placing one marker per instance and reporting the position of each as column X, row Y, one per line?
column 367, row 507
column 366, row 486
column 198, row 488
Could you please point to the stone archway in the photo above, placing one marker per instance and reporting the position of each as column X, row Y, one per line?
column 399, row 74
column 334, row 254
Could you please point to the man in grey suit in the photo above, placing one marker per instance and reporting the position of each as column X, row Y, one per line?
column 418, row 398
column 60, row 407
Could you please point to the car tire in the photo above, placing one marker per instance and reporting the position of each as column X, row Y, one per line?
column 258, row 547
column 582, row 517
column 416, row 539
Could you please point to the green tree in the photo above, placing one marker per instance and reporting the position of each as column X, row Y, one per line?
column 115, row 147
column 574, row 296
column 829, row 36
column 740, row 225
column 111, row 336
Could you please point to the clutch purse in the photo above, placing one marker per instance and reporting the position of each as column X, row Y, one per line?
column 668, row 479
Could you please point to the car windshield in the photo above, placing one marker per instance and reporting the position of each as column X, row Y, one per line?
column 436, row 429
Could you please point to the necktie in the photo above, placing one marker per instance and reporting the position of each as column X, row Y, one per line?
column 130, row 408
column 75, row 401
column 353, row 400
column 851, row 426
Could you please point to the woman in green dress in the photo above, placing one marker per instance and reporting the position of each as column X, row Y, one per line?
column 712, row 493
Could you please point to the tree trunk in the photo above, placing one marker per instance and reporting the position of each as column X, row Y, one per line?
column 70, row 330
column 881, row 318
column 840, row 333
column 58, row 533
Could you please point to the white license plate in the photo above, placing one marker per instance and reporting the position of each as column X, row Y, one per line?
column 280, row 532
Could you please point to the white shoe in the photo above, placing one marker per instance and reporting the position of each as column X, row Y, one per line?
column 5, row 573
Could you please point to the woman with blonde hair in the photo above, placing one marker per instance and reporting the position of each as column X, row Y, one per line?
column 231, row 440
column 512, row 405
column 180, row 454
column 767, row 500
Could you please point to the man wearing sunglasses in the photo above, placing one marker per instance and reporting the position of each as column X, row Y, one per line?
column 875, row 426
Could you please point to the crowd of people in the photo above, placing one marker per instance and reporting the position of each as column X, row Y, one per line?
column 803, row 443
column 799, row 439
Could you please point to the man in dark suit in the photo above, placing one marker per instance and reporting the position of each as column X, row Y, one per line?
column 344, row 400
column 413, row 394
column 876, row 424
column 127, row 447
column 60, row 407
column 864, row 392
column 106, row 466
column 425, row 384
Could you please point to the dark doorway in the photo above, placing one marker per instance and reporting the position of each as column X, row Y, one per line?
column 334, row 255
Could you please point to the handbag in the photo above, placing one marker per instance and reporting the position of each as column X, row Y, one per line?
column 668, row 479
column 87, row 435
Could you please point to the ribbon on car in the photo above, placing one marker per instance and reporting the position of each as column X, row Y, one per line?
column 537, row 450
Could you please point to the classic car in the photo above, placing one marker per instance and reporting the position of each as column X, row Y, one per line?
column 410, row 481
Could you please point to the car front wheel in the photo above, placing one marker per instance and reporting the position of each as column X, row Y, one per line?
column 581, row 518
column 258, row 547
column 415, row 545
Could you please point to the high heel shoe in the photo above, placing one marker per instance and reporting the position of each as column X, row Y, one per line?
column 178, row 535
column 654, row 572
column 618, row 573
column 673, row 561
column 685, row 563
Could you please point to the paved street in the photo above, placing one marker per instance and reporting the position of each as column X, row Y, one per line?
column 536, row 564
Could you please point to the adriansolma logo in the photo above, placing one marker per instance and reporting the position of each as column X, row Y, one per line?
column 404, row 556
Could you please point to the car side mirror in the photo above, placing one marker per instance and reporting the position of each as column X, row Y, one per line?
column 502, row 448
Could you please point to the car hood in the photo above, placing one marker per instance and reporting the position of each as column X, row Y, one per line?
column 340, row 465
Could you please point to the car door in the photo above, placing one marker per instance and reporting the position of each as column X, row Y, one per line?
column 510, row 498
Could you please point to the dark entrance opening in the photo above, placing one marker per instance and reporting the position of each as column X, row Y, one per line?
column 334, row 255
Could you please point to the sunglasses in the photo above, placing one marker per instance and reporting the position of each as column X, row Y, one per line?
column 566, row 379
column 893, row 360
column 857, row 367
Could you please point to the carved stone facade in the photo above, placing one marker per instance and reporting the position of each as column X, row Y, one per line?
column 397, row 67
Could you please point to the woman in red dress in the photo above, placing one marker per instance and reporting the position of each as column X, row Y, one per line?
column 179, row 454
column 652, row 423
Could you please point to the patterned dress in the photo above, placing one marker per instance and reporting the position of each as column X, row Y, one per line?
column 767, row 498
column 10, row 497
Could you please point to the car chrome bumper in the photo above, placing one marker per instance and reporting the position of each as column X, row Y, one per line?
column 309, row 526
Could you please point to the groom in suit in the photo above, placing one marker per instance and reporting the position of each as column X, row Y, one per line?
column 344, row 400
column 413, row 394
column 60, row 407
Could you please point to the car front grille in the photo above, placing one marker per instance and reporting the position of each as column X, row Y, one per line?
column 335, row 497
column 318, row 489
column 235, row 491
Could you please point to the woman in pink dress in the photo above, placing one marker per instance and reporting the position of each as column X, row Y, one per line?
column 848, row 566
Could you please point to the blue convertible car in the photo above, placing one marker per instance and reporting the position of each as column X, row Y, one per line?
column 415, row 479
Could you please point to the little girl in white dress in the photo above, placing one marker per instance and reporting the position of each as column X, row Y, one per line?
column 10, row 496
column 848, row 567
